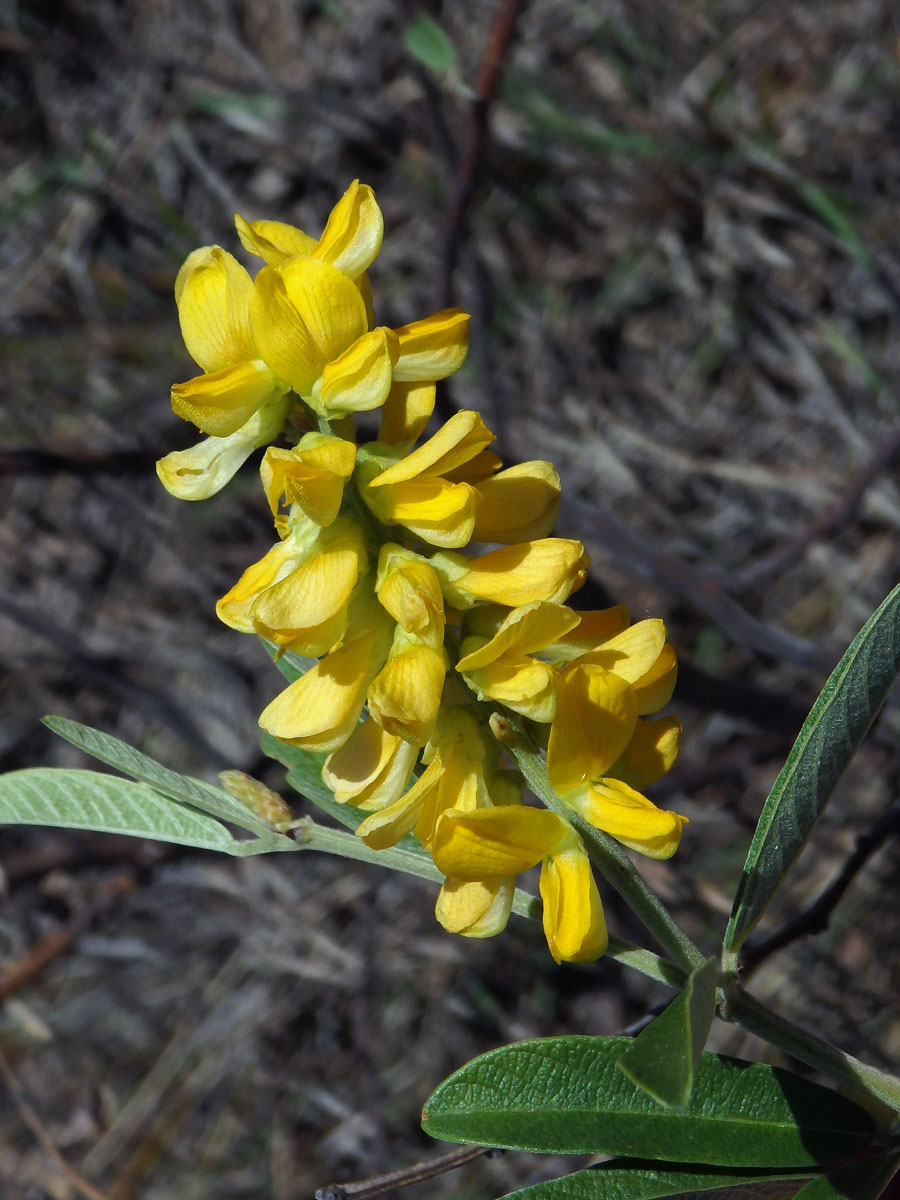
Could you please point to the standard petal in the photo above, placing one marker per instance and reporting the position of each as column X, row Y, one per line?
column 440, row 513
column 406, row 695
column 628, row 816
column 475, row 908
column 433, row 347
column 285, row 344
column 409, row 589
column 518, row 504
column 212, row 291
column 653, row 691
column 330, row 307
column 371, row 769
column 321, row 708
column 273, row 241
column 495, row 841
column 307, row 609
column 234, row 609
column 352, row 236
column 633, row 652
column 406, row 412
column 222, row 402
column 650, row 753
column 595, row 718
column 549, row 569
column 312, row 475
column 359, row 379
column 574, row 924
column 525, row 685
column 525, row 630
column 462, row 437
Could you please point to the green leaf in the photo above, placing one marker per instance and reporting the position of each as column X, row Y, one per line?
column 72, row 799
column 662, row 1059
column 429, row 45
column 861, row 1181
column 828, row 740
column 566, row 1095
column 130, row 761
column 636, row 1179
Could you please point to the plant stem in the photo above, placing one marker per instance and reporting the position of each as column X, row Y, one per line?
column 311, row 836
column 612, row 862
column 754, row 1016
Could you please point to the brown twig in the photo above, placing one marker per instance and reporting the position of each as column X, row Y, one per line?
column 376, row 1185
column 815, row 917
column 50, row 947
column 468, row 168
column 830, row 518
column 42, row 1137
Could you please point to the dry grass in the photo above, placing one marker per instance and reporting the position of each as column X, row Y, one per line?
column 683, row 267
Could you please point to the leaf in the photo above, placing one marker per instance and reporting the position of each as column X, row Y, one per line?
column 129, row 761
column 73, row 799
column 429, row 45
column 830, row 735
column 566, row 1095
column 636, row 1179
column 663, row 1057
column 861, row 1181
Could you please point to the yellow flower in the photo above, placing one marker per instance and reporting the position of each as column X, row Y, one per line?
column 413, row 491
column 596, row 720
column 371, row 769
column 213, row 293
column 202, row 470
column 405, row 696
column 460, row 759
column 311, row 475
column 350, row 241
column 501, row 667
column 312, row 328
column 298, row 595
column 548, row 569
column 518, row 504
column 498, row 843
column 321, row 709
column 409, row 589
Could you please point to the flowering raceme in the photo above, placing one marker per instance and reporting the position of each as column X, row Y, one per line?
column 417, row 641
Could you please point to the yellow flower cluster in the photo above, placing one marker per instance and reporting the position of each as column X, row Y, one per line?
column 367, row 578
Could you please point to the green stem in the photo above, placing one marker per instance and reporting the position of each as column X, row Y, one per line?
column 613, row 864
column 310, row 836
column 754, row 1016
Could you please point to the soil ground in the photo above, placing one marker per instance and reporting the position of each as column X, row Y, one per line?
column 682, row 262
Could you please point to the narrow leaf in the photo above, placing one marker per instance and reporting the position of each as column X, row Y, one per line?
column 429, row 45
column 72, row 799
column 129, row 761
column 566, row 1095
column 828, row 740
column 662, row 1059
column 861, row 1181
column 635, row 1179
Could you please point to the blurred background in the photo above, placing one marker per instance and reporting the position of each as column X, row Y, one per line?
column 676, row 229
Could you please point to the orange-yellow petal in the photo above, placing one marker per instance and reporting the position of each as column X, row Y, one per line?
column 631, row 653
column 650, row 753
column 222, row 402
column 406, row 695
column 628, row 816
column 475, row 908
column 406, row 412
column 273, row 241
column 352, row 235
column 359, row 379
column 653, row 691
column 371, row 769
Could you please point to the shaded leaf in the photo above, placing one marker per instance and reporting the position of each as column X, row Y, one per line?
column 129, row 761
column 429, row 45
column 566, row 1095
column 663, row 1057
column 861, row 1181
column 73, row 799
column 828, row 740
column 636, row 1179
